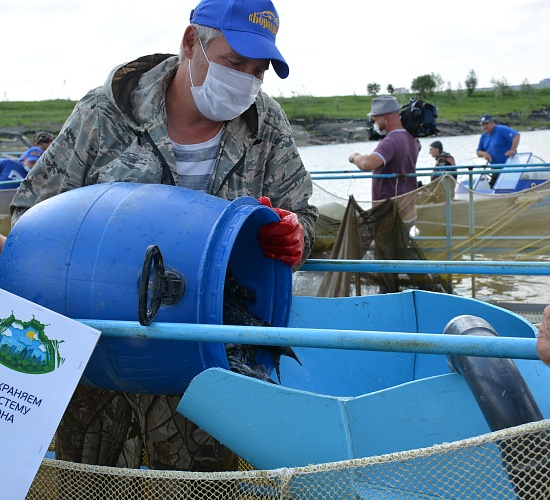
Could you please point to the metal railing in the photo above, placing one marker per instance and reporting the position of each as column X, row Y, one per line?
column 423, row 171
column 449, row 238
column 427, row 343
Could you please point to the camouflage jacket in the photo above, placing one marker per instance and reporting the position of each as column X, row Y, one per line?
column 118, row 133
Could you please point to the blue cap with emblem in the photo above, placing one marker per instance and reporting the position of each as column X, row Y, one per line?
column 250, row 28
column 33, row 154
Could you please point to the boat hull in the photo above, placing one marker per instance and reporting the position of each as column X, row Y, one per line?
column 497, row 225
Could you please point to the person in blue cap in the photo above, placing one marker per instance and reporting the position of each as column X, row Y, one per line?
column 42, row 140
column 12, row 172
column 497, row 143
column 17, row 170
column 201, row 121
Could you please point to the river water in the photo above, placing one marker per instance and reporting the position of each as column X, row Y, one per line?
column 463, row 148
column 526, row 289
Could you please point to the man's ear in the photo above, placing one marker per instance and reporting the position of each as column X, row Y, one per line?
column 190, row 39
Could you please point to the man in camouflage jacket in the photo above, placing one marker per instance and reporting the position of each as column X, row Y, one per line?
column 124, row 132
column 114, row 137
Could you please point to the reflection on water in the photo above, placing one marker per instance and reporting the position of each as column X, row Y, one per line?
column 521, row 289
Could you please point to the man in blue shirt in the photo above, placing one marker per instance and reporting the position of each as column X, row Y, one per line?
column 13, row 170
column 497, row 143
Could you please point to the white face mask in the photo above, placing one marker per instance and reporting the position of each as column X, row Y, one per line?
column 377, row 130
column 225, row 93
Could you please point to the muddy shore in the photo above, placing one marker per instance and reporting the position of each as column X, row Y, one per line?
column 319, row 132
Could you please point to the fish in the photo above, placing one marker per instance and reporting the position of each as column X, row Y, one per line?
column 242, row 357
column 277, row 352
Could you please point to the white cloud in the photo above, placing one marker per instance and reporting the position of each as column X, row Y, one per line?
column 59, row 49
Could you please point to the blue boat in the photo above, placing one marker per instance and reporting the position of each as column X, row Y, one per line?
column 509, row 178
column 380, row 376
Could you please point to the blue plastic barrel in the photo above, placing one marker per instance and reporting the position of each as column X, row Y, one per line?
column 81, row 253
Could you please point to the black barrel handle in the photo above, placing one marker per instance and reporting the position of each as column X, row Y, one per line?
column 167, row 286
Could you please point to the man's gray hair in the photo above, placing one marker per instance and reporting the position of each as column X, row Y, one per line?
column 205, row 34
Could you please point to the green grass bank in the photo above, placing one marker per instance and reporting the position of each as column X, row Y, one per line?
column 524, row 109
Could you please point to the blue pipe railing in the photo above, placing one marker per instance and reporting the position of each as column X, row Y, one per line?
column 463, row 169
column 428, row 266
column 428, row 343
column 9, row 154
column 14, row 182
column 346, row 174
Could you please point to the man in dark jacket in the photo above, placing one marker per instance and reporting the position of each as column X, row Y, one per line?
column 443, row 160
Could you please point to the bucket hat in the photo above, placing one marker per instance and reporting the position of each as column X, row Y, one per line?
column 250, row 28
column 384, row 105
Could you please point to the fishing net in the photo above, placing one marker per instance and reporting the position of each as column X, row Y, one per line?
column 378, row 234
column 451, row 226
column 509, row 464
column 513, row 226
column 448, row 226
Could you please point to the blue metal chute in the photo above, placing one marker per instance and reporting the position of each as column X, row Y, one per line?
column 274, row 426
column 344, row 373
column 343, row 404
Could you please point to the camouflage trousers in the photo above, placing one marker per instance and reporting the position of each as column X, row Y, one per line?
column 112, row 428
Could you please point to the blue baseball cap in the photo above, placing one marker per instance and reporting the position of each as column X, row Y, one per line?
column 32, row 154
column 485, row 118
column 250, row 28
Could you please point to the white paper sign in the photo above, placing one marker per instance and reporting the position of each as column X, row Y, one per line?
column 42, row 357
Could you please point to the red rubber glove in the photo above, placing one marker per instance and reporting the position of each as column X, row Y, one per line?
column 283, row 240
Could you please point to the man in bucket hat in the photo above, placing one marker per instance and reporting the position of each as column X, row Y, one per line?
column 198, row 120
column 396, row 153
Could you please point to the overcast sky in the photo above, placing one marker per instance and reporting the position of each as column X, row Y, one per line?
column 57, row 49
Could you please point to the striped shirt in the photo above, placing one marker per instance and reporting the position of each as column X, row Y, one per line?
column 195, row 162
